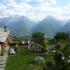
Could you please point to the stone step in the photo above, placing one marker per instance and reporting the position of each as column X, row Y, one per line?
column 4, row 56
column 1, row 56
column 2, row 62
column 6, row 52
column 3, row 59
column 2, row 66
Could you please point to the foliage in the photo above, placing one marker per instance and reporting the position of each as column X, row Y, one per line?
column 16, row 39
column 53, row 60
column 39, row 60
column 59, row 60
column 61, row 36
column 38, row 38
column 52, row 41
column 66, row 51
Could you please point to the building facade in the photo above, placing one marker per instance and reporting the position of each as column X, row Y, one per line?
column 4, row 39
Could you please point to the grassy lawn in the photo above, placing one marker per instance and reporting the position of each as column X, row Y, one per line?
column 19, row 62
column 23, row 61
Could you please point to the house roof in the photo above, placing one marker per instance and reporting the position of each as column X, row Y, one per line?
column 3, row 34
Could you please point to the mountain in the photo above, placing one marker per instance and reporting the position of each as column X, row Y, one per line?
column 18, row 25
column 4, row 21
column 65, row 28
column 49, row 26
column 21, row 26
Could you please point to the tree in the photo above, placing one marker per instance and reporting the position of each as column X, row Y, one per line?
column 38, row 38
column 61, row 36
column 58, row 62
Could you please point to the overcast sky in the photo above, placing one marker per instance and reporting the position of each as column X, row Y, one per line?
column 35, row 10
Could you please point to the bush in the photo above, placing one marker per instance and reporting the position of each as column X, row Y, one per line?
column 39, row 60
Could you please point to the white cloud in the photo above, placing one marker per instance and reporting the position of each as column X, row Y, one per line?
column 45, row 8
column 52, row 1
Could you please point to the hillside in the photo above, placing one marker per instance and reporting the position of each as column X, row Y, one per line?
column 21, row 26
column 65, row 28
column 18, row 25
column 49, row 26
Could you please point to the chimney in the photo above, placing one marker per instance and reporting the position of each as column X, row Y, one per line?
column 5, row 28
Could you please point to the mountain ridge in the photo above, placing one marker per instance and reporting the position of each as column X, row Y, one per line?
column 21, row 26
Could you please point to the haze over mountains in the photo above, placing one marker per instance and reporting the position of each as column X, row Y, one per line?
column 21, row 26
column 49, row 26
column 18, row 25
column 66, row 27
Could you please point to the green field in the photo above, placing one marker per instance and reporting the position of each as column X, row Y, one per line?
column 19, row 61
column 23, row 61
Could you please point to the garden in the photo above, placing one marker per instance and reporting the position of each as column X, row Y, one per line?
column 51, row 57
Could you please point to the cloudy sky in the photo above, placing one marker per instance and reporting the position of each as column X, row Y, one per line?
column 36, row 10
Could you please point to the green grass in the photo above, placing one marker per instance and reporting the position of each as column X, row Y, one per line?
column 23, row 60
column 19, row 62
